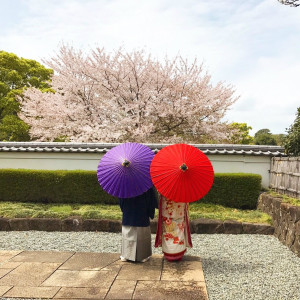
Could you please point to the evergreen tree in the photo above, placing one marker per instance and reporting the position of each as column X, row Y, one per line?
column 292, row 141
column 17, row 74
column 240, row 134
column 264, row 137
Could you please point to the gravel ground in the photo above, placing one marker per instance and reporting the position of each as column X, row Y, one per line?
column 236, row 267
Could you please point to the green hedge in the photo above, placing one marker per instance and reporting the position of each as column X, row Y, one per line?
column 238, row 190
column 43, row 186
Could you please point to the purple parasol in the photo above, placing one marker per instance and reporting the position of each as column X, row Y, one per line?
column 124, row 171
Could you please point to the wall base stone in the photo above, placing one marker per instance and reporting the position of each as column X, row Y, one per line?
column 44, row 224
column 210, row 226
column 95, row 225
column 233, row 227
column 201, row 226
column 286, row 220
column 4, row 224
column 207, row 226
column 19, row 224
column 250, row 228
column 72, row 224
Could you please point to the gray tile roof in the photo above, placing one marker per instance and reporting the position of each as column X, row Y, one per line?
column 209, row 149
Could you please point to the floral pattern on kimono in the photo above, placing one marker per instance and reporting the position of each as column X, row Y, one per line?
column 173, row 232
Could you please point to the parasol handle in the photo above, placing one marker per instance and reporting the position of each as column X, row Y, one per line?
column 183, row 167
column 126, row 163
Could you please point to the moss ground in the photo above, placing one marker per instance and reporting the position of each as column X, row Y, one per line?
column 101, row 211
column 285, row 198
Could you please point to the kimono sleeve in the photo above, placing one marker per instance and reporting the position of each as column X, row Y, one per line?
column 153, row 203
column 121, row 203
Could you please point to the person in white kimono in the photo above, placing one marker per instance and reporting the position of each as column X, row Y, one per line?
column 173, row 231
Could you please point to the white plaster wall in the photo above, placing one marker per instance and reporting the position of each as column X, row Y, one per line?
column 243, row 164
column 89, row 161
column 49, row 161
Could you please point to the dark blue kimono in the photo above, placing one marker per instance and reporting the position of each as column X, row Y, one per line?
column 138, row 210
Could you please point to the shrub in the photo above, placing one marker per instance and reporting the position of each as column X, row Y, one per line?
column 238, row 190
column 43, row 186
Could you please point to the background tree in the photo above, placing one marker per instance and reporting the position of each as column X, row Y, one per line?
column 292, row 140
column 293, row 3
column 240, row 133
column 16, row 74
column 127, row 97
column 264, row 137
column 279, row 138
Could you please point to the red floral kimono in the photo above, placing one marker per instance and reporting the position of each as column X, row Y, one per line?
column 173, row 231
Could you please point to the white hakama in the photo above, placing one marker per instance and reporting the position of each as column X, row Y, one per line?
column 136, row 243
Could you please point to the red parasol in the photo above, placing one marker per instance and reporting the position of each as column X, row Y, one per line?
column 182, row 173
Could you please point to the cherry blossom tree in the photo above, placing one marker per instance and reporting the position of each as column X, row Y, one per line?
column 293, row 3
column 127, row 96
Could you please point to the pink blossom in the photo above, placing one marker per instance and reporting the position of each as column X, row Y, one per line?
column 117, row 97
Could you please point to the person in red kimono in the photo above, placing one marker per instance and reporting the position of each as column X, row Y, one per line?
column 173, row 231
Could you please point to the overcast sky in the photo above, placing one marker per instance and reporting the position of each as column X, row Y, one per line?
column 253, row 45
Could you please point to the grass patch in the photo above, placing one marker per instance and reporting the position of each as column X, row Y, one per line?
column 33, row 210
column 218, row 212
column 285, row 198
column 113, row 212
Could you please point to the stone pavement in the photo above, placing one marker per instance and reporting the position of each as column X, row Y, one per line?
column 82, row 275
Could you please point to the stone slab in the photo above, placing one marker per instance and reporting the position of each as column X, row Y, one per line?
column 132, row 271
column 155, row 260
column 5, row 258
column 9, row 264
column 89, row 261
column 3, row 272
column 168, row 290
column 43, row 256
column 81, row 293
column 65, row 275
column 68, row 278
column 4, row 289
column 122, row 289
column 188, row 269
column 7, row 255
column 10, row 252
column 32, row 292
column 29, row 274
